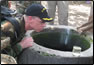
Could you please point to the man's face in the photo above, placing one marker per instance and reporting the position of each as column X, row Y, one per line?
column 37, row 24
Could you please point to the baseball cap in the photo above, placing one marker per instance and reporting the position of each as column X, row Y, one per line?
column 38, row 10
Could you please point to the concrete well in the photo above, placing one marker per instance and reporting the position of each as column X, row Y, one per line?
column 59, row 45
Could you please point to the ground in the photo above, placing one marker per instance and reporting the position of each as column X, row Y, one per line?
column 78, row 12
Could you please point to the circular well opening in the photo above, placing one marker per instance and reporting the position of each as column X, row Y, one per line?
column 60, row 39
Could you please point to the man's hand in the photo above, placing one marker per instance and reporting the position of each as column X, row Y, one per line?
column 79, row 30
column 26, row 42
column 85, row 27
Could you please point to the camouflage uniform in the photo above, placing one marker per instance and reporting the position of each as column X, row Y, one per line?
column 4, row 3
column 21, row 5
column 9, row 48
column 9, row 32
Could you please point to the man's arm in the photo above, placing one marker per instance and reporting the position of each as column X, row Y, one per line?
column 90, row 21
column 25, row 43
column 89, row 25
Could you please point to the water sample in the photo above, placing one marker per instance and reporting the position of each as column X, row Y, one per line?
column 76, row 50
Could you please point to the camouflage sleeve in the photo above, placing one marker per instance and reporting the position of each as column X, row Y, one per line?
column 18, row 49
column 22, row 5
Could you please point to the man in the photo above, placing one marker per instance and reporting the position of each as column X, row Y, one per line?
column 62, row 7
column 34, row 19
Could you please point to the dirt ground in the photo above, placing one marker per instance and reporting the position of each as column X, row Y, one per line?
column 78, row 13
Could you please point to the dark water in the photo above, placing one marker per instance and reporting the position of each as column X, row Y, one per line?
column 55, row 39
